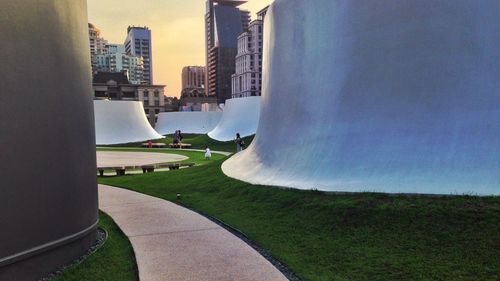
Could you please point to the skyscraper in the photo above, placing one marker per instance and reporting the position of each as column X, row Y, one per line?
column 247, row 81
column 97, row 45
column 224, row 22
column 193, row 77
column 138, row 43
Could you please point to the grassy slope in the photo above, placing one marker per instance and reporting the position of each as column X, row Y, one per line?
column 324, row 236
column 197, row 141
column 115, row 260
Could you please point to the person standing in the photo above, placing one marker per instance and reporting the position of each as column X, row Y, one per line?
column 208, row 153
column 175, row 139
column 180, row 138
column 239, row 142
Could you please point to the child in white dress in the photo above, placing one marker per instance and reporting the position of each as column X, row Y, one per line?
column 208, row 153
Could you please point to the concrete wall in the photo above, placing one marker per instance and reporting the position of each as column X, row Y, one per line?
column 48, row 193
column 399, row 97
column 240, row 115
column 119, row 122
column 191, row 122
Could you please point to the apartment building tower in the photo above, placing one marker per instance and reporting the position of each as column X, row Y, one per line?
column 138, row 43
column 97, row 44
column 247, row 81
column 115, row 59
column 224, row 22
column 193, row 77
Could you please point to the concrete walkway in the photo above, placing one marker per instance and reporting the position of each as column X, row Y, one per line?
column 174, row 243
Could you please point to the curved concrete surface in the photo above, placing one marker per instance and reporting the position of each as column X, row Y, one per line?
column 187, row 122
column 174, row 243
column 240, row 115
column 48, row 193
column 121, row 122
column 120, row 158
column 398, row 98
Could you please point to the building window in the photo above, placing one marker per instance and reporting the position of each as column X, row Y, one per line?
column 157, row 94
column 147, row 111
column 157, row 111
column 157, row 103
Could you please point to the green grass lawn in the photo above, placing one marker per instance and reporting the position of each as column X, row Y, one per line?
column 115, row 260
column 197, row 141
column 325, row 236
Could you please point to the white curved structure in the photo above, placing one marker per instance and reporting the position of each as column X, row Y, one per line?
column 359, row 96
column 121, row 122
column 240, row 115
column 193, row 122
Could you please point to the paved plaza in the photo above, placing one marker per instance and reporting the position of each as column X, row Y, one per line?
column 120, row 158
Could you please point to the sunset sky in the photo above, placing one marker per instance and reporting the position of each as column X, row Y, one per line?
column 177, row 28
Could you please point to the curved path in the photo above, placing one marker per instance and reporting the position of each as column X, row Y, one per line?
column 121, row 158
column 173, row 243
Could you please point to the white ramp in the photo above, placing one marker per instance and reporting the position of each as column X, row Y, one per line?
column 240, row 115
column 193, row 122
column 121, row 122
column 363, row 96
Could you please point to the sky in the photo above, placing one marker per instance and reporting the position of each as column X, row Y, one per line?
column 177, row 28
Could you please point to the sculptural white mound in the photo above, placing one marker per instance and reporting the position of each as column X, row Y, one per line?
column 360, row 96
column 121, row 122
column 192, row 122
column 240, row 115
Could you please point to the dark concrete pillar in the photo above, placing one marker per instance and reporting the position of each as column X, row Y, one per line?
column 48, row 190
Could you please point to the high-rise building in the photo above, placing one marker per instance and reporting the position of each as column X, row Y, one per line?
column 114, row 59
column 97, row 43
column 138, row 43
column 247, row 81
column 193, row 77
column 224, row 22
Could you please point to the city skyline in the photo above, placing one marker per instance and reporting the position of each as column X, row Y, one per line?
column 177, row 31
